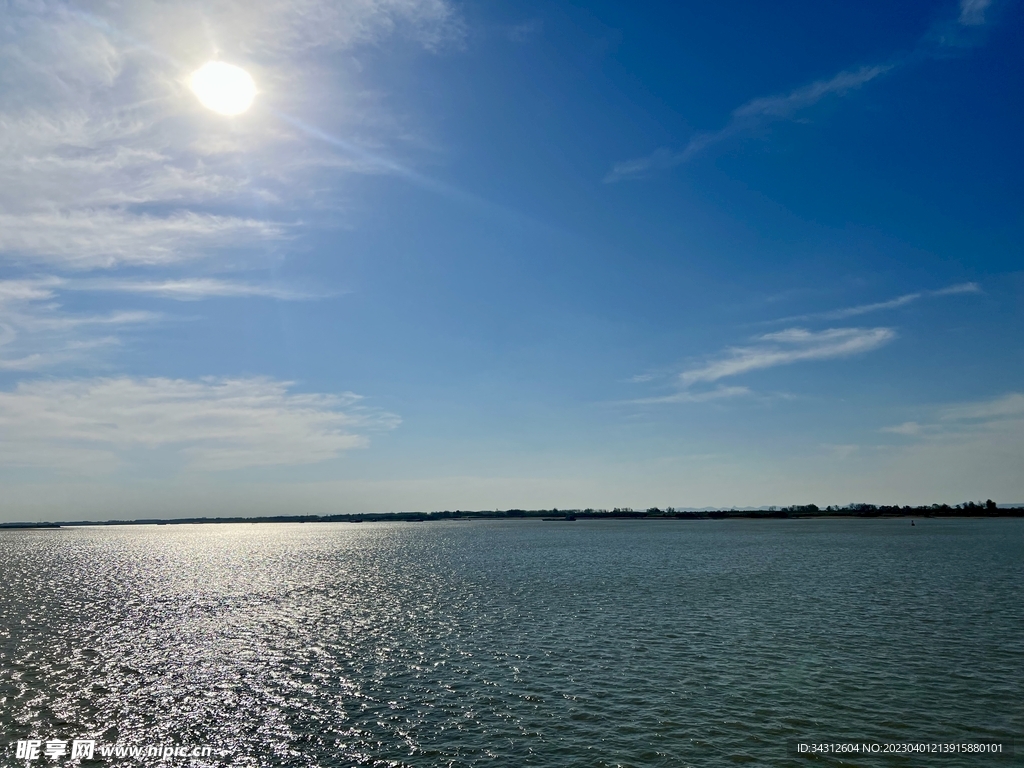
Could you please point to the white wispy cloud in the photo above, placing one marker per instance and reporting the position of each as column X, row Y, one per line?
column 106, row 238
column 768, row 350
column 210, row 424
column 191, row 289
column 906, row 428
column 298, row 26
column 878, row 306
column 748, row 117
column 942, row 36
column 56, row 352
column 47, row 287
column 972, row 12
column 38, row 322
column 954, row 290
column 30, row 289
column 969, row 421
column 37, row 332
column 686, row 396
column 863, row 309
column 1008, row 406
column 786, row 347
column 786, row 105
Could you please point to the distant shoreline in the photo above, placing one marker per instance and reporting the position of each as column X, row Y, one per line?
column 809, row 512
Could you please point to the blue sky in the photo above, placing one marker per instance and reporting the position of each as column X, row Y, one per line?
column 495, row 255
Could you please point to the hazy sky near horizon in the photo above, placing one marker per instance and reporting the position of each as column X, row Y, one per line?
column 495, row 255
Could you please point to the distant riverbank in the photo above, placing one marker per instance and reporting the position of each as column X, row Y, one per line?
column 986, row 509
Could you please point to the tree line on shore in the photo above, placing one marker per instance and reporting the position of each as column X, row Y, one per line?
column 967, row 509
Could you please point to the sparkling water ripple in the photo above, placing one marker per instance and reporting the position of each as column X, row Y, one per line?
column 471, row 643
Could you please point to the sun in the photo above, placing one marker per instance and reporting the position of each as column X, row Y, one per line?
column 222, row 87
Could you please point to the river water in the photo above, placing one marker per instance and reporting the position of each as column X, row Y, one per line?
column 514, row 643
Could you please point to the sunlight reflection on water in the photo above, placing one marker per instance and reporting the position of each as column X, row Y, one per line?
column 521, row 642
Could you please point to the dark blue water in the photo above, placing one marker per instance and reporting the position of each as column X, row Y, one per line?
column 612, row 643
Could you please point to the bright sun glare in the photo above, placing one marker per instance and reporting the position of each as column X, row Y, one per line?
column 224, row 88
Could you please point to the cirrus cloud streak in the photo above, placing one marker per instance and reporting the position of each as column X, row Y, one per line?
column 941, row 37
column 747, row 117
column 878, row 306
column 210, row 424
column 786, row 347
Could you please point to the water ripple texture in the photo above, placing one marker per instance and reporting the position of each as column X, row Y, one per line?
column 520, row 642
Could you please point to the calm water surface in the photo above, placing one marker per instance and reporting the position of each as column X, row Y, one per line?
column 520, row 643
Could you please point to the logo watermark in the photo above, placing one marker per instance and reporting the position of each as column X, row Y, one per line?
column 54, row 749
